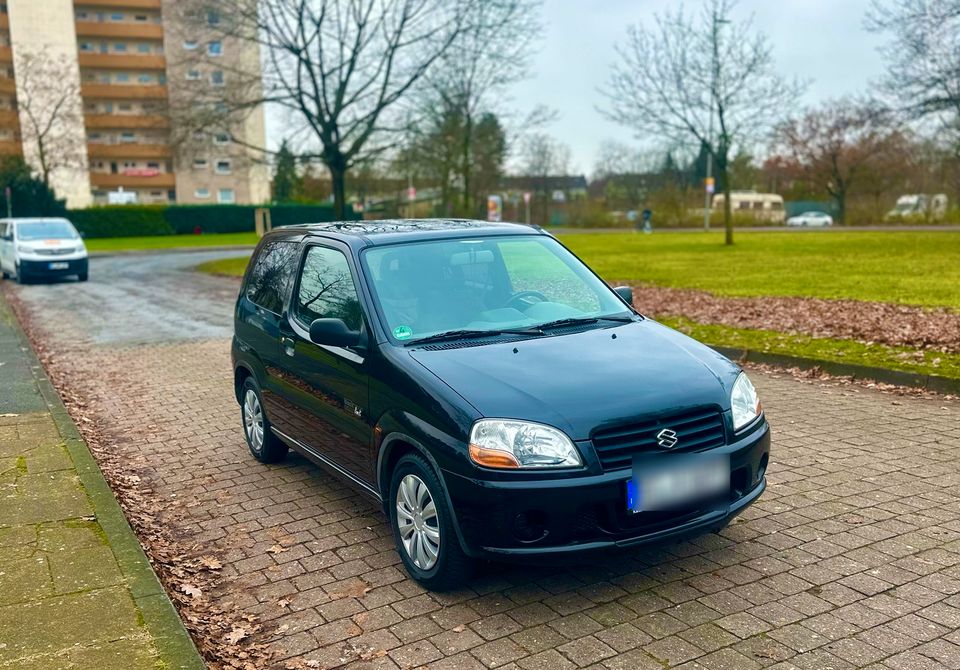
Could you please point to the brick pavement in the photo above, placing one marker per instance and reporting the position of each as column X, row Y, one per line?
column 851, row 559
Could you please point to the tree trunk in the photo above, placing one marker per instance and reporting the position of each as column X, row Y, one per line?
column 338, row 177
column 465, row 157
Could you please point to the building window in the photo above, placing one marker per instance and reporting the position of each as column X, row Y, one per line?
column 190, row 45
column 124, row 107
column 86, row 47
column 193, row 75
column 202, row 193
column 127, row 137
column 81, row 15
column 221, row 138
column 122, row 77
column 145, row 79
column 216, row 78
column 223, row 167
column 213, row 17
column 117, row 16
column 226, row 196
column 153, row 165
column 215, row 48
column 120, row 46
column 144, row 48
column 140, row 17
column 199, row 163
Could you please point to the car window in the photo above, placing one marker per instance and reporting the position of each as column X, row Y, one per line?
column 46, row 230
column 327, row 289
column 532, row 266
column 270, row 276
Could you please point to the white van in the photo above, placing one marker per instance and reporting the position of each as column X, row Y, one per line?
column 41, row 247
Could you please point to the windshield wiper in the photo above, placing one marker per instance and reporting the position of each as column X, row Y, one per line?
column 466, row 334
column 577, row 320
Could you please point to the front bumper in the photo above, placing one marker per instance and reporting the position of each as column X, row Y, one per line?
column 42, row 268
column 589, row 512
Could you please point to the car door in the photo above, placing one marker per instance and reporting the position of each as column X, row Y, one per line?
column 259, row 311
column 5, row 248
column 328, row 387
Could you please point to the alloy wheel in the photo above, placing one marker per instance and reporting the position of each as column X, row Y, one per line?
column 418, row 522
column 253, row 420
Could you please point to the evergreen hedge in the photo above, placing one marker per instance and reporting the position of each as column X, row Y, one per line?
column 149, row 220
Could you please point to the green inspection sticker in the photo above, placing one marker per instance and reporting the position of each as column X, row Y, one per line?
column 403, row 332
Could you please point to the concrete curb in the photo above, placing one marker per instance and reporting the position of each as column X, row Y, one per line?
column 898, row 377
column 171, row 250
column 172, row 641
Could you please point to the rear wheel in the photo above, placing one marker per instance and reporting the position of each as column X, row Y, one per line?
column 263, row 444
column 423, row 527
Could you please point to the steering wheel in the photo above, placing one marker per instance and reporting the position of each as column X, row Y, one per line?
column 520, row 297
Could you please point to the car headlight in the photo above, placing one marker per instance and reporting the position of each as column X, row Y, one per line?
column 744, row 402
column 509, row 444
column 24, row 249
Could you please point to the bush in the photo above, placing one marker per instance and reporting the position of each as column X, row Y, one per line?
column 149, row 220
column 121, row 221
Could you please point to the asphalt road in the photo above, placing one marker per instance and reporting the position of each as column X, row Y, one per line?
column 143, row 298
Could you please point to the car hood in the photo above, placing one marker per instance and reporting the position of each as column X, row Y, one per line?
column 580, row 382
column 52, row 243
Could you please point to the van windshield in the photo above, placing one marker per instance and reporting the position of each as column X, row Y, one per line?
column 483, row 283
column 46, row 230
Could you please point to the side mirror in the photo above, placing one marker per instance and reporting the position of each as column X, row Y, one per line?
column 333, row 333
column 626, row 293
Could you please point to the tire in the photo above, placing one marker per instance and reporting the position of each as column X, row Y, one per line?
column 83, row 276
column 263, row 444
column 440, row 564
column 19, row 275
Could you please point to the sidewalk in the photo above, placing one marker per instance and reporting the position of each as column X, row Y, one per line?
column 76, row 590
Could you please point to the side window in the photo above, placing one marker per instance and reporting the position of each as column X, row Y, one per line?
column 327, row 289
column 270, row 278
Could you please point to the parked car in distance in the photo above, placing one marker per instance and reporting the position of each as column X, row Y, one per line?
column 918, row 207
column 34, row 248
column 811, row 219
column 490, row 391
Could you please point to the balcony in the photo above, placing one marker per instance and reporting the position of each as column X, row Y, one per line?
column 118, row 91
column 126, row 121
column 9, row 118
column 120, row 4
column 10, row 148
column 6, row 55
column 102, row 29
column 4, row 21
column 131, row 150
column 106, row 180
column 121, row 61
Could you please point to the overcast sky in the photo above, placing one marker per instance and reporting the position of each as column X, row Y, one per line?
column 821, row 41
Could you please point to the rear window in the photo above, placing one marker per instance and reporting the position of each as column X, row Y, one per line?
column 270, row 276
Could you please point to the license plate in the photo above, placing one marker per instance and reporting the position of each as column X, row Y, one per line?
column 59, row 266
column 678, row 482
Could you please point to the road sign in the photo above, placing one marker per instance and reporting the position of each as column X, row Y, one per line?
column 526, row 197
column 494, row 208
column 710, row 184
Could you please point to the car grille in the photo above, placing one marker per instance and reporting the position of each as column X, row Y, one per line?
column 696, row 430
column 55, row 252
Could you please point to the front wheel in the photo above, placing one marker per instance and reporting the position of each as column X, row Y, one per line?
column 264, row 445
column 423, row 527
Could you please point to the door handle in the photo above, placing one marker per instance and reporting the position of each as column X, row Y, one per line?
column 289, row 345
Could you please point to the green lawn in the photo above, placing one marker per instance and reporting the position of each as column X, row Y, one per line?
column 232, row 267
column 170, row 242
column 918, row 268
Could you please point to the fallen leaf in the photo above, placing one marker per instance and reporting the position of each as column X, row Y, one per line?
column 282, row 603
column 210, row 563
column 235, row 635
column 277, row 549
column 459, row 629
column 191, row 590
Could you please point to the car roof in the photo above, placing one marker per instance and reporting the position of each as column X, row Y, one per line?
column 33, row 219
column 391, row 231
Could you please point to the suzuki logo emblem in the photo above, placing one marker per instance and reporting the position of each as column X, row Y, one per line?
column 667, row 438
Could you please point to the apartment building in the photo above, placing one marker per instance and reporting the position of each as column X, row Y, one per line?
column 127, row 59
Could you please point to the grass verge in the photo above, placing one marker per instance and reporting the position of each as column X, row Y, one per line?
column 230, row 267
column 904, row 359
column 171, row 242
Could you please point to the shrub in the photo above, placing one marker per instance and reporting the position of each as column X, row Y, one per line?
column 121, row 221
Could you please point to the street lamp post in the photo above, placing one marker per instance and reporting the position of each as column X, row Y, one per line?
column 715, row 63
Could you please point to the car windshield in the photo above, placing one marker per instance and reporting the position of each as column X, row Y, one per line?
column 46, row 230
column 483, row 284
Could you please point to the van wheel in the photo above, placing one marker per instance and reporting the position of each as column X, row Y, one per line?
column 19, row 275
column 264, row 445
column 423, row 527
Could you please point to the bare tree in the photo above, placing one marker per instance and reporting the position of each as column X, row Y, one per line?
column 336, row 66
column 490, row 54
column 679, row 75
column 49, row 113
column 836, row 145
column 923, row 70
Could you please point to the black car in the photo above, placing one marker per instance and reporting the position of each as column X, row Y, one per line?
column 494, row 394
